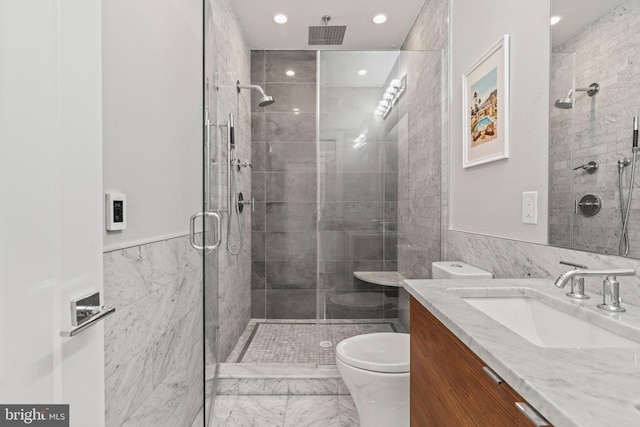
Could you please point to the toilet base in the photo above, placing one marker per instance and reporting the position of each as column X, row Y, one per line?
column 382, row 399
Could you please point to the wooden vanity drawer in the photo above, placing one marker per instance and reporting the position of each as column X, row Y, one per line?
column 449, row 385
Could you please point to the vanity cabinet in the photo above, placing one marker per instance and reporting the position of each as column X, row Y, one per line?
column 451, row 386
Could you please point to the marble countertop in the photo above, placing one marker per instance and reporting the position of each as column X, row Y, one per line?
column 568, row 386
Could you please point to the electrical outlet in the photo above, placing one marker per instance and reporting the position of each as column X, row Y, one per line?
column 530, row 207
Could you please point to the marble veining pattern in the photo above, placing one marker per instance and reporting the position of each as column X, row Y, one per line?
column 229, row 59
column 386, row 278
column 285, row 411
column 513, row 259
column 153, row 343
column 558, row 382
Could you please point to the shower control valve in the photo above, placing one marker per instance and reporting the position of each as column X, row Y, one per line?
column 590, row 167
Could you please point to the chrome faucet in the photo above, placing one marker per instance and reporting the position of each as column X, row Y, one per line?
column 577, row 283
column 610, row 286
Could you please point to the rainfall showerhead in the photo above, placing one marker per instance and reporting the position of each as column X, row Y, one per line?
column 264, row 101
column 567, row 102
column 326, row 34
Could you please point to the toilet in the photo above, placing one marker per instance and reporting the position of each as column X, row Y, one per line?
column 375, row 369
column 457, row 270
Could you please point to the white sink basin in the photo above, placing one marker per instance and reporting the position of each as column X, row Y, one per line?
column 546, row 326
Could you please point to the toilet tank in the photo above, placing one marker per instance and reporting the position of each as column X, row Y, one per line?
column 458, row 270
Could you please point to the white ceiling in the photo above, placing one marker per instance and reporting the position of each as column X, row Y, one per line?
column 256, row 17
column 577, row 15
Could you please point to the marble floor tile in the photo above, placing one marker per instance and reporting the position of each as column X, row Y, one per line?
column 285, row 411
column 257, row 411
column 348, row 412
column 312, row 411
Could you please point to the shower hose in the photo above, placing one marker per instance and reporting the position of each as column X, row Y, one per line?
column 234, row 208
column 623, row 247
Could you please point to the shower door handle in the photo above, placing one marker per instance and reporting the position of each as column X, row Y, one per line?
column 218, row 231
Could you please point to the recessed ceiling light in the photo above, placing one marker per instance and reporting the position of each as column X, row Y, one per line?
column 362, row 72
column 290, row 73
column 280, row 18
column 555, row 19
column 380, row 19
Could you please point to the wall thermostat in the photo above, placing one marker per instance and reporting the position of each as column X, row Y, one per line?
column 116, row 211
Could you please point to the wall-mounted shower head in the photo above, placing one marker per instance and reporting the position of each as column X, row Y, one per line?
column 264, row 100
column 567, row 102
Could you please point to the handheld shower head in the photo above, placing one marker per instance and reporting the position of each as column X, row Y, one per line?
column 264, row 101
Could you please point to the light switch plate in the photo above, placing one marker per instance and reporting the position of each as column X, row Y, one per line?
column 530, row 207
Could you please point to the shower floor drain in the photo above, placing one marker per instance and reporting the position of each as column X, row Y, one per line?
column 325, row 344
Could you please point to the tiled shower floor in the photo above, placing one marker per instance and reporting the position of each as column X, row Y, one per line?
column 301, row 341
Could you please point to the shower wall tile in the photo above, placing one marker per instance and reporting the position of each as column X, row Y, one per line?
column 258, row 185
column 285, row 142
column 299, row 274
column 278, row 62
column 291, row 246
column 291, row 157
column 284, row 216
column 258, row 217
column 346, row 158
column 341, row 216
column 290, row 96
column 291, row 187
column 289, row 127
column 232, row 63
column 291, row 304
column 257, row 246
column 258, row 275
column 354, row 187
column 258, row 127
column 258, row 301
column 151, row 338
column 332, row 245
column 258, row 63
column 364, row 245
column 258, row 158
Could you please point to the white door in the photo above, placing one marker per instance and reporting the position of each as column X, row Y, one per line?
column 50, row 203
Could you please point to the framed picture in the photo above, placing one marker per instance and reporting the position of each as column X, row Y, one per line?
column 485, row 103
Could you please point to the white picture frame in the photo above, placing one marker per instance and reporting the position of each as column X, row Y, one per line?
column 485, row 107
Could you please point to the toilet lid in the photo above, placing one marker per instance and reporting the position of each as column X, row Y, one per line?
column 379, row 352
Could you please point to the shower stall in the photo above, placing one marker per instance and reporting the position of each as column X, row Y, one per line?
column 326, row 150
column 326, row 134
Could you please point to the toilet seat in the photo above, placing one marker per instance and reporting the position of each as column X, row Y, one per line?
column 385, row 352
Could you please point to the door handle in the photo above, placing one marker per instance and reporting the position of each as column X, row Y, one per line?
column 218, row 231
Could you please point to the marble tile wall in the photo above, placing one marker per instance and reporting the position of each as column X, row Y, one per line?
column 230, row 57
column 598, row 128
column 423, row 111
column 284, row 185
column 514, row 259
column 153, row 342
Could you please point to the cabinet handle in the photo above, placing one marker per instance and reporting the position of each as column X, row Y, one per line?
column 495, row 377
column 533, row 415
